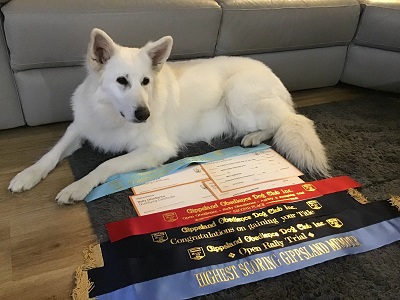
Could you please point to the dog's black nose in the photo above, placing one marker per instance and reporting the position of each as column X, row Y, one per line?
column 142, row 114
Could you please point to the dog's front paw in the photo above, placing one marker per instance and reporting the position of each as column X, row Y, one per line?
column 76, row 191
column 26, row 179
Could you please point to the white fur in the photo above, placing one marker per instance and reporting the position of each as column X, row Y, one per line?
column 187, row 101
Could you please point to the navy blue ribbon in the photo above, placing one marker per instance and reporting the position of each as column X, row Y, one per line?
column 214, row 278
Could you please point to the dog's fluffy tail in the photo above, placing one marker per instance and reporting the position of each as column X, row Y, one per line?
column 297, row 139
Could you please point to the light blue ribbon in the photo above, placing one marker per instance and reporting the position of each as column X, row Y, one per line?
column 184, row 285
column 124, row 181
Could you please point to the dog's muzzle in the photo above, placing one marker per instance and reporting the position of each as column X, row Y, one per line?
column 142, row 114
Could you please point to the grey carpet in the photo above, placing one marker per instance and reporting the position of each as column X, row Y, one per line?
column 362, row 138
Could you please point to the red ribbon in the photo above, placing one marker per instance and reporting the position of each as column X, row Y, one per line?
column 238, row 204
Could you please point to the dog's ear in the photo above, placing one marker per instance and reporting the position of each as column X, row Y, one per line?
column 159, row 51
column 101, row 48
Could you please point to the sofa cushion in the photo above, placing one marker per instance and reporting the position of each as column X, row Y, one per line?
column 45, row 93
column 306, row 68
column 51, row 33
column 373, row 58
column 379, row 25
column 266, row 26
column 372, row 68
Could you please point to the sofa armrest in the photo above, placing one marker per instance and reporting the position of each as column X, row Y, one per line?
column 10, row 107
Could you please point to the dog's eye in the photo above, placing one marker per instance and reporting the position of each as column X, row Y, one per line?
column 145, row 81
column 122, row 80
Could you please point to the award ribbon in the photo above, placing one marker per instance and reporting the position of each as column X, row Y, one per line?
column 207, row 280
column 231, row 227
column 120, row 272
column 124, row 181
column 239, row 204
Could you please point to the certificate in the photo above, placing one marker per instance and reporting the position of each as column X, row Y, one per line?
column 252, row 188
column 187, row 175
column 249, row 169
column 171, row 198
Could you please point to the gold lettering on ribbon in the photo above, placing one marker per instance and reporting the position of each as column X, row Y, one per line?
column 343, row 242
column 201, row 236
column 305, row 213
column 260, row 264
column 274, row 261
column 215, row 276
column 202, row 209
column 199, row 227
column 227, row 245
column 262, row 222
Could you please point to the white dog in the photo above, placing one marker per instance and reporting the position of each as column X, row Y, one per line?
column 133, row 100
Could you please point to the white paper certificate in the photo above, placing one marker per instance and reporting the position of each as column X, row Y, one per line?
column 252, row 188
column 171, row 198
column 249, row 169
column 187, row 175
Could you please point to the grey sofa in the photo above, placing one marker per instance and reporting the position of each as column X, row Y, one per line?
column 307, row 43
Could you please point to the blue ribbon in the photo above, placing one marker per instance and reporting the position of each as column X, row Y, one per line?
column 124, row 181
column 185, row 285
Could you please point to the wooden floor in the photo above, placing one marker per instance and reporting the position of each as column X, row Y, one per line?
column 41, row 242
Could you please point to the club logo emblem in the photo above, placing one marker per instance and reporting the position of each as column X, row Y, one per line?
column 314, row 204
column 219, row 153
column 116, row 184
column 309, row 187
column 334, row 222
column 159, row 237
column 170, row 217
column 197, row 170
column 196, row 253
